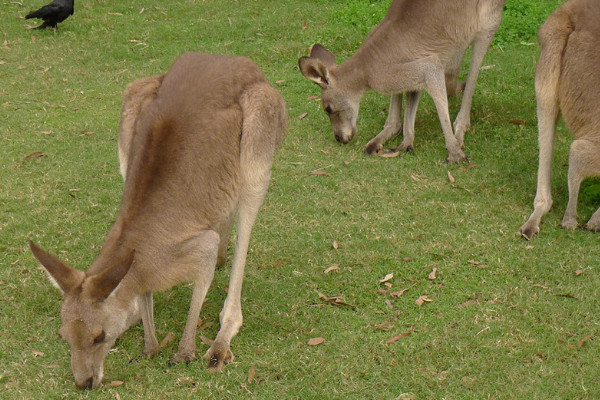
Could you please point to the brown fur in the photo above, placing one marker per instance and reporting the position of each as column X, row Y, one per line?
column 418, row 45
column 567, row 80
column 196, row 148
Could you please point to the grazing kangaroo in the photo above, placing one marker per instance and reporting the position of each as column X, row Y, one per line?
column 196, row 148
column 567, row 80
column 418, row 45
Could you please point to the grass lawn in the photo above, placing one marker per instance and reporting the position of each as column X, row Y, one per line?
column 507, row 319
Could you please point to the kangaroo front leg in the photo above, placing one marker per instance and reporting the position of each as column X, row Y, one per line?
column 392, row 125
column 436, row 86
column 207, row 248
column 463, row 119
column 151, row 347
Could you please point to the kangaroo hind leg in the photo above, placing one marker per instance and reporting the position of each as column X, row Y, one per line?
column 263, row 128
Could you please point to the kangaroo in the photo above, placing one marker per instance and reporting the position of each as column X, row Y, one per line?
column 418, row 45
column 196, row 148
column 567, row 80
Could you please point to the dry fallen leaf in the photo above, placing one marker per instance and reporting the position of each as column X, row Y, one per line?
column 398, row 337
column 313, row 97
column 52, row 366
column 206, row 340
column 585, row 339
column 384, row 327
column 450, row 177
column 422, row 300
column 115, row 384
column 388, row 303
column 335, row 244
column 304, row 25
column 319, row 172
column 251, row 374
column 303, row 115
column 398, row 293
column 488, row 66
column 387, row 277
column 37, row 353
column 279, row 82
column 170, row 336
column 431, row 275
column 468, row 303
column 141, row 11
column 315, row 341
column 388, row 154
column 37, row 154
column 335, row 300
column 332, row 268
column 517, row 122
column 578, row 272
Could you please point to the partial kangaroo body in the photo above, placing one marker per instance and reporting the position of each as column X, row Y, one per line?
column 418, row 45
column 196, row 148
column 567, row 80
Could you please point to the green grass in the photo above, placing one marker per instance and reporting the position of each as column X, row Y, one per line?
column 506, row 317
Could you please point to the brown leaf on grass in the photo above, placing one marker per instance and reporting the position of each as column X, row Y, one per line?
column 38, row 353
column 382, row 291
column 115, row 384
column 206, row 340
column 517, row 122
column 169, row 338
column 335, row 244
column 407, row 259
column 313, row 97
column 33, row 38
column 431, row 275
column 450, row 177
column 304, row 25
column 388, row 153
column 582, row 341
column 468, row 303
column 398, row 337
column 332, row 268
column 52, row 366
column 422, row 300
column 202, row 327
column 315, row 341
column 389, row 305
column 117, row 396
column 319, row 172
column 303, row 115
column 387, row 277
column 578, row 272
column 279, row 82
column 141, row 11
column 335, row 300
column 251, row 374
column 86, row 133
column 398, row 293
column 37, row 154
column 118, row 14
column 384, row 327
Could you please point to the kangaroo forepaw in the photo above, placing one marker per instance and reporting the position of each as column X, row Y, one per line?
column 182, row 357
column 527, row 232
column 217, row 357
column 373, row 147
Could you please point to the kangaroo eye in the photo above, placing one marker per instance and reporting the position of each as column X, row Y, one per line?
column 99, row 338
column 328, row 110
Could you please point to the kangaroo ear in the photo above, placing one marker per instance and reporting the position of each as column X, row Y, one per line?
column 314, row 70
column 101, row 285
column 62, row 275
column 319, row 52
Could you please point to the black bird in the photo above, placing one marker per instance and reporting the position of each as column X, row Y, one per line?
column 53, row 13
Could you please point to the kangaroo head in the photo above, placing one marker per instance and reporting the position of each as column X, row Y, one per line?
column 92, row 319
column 340, row 102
